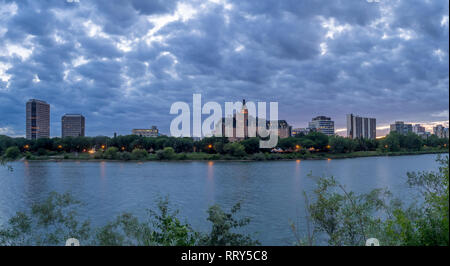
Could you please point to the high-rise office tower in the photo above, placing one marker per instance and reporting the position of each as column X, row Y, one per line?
column 361, row 127
column 322, row 124
column 72, row 125
column 37, row 119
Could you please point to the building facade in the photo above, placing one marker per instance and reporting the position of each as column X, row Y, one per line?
column 72, row 125
column 418, row 129
column 322, row 124
column 37, row 119
column 401, row 128
column 151, row 132
column 361, row 127
column 440, row 131
column 299, row 131
column 284, row 129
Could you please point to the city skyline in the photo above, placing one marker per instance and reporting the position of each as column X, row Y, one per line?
column 74, row 125
column 390, row 63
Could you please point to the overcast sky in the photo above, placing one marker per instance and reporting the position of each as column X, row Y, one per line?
column 123, row 63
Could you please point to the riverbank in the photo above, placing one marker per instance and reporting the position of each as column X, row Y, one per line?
column 200, row 156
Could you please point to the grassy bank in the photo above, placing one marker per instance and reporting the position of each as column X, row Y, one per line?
column 202, row 156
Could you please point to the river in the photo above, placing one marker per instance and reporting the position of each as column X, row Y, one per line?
column 270, row 192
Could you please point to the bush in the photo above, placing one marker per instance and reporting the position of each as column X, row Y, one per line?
column 111, row 153
column 181, row 156
column 167, row 154
column 28, row 155
column 139, row 154
column 273, row 156
column 12, row 153
column 224, row 227
column 235, row 149
column 258, row 156
column 42, row 152
column 98, row 154
column 126, row 156
column 215, row 157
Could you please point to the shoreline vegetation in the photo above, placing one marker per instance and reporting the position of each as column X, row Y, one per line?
column 195, row 157
column 313, row 146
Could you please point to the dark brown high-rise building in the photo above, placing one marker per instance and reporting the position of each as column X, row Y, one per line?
column 37, row 119
column 72, row 125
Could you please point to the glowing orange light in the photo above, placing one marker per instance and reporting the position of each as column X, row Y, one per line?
column 329, row 159
column 297, row 161
column 123, row 148
column 26, row 146
column 386, row 146
column 210, row 146
column 103, row 146
column 297, row 147
column 328, row 146
column 210, row 163
column 445, row 144
column 59, row 146
column 84, row 150
column 91, row 151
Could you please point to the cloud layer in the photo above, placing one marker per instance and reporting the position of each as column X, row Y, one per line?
column 123, row 63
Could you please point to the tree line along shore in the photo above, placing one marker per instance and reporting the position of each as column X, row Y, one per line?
column 314, row 145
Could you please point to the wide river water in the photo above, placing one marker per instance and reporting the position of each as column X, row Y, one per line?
column 270, row 192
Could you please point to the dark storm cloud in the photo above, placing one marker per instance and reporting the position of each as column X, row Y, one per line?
column 123, row 63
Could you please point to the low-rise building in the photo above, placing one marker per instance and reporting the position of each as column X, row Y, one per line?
column 401, row 128
column 417, row 128
column 322, row 124
column 298, row 131
column 440, row 131
column 424, row 134
column 151, row 132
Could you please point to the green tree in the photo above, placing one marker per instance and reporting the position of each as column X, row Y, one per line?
column 167, row 153
column 338, row 144
column 391, row 142
column 424, row 224
column 51, row 222
column 251, row 145
column 12, row 153
column 235, row 149
column 162, row 228
column 320, row 140
column 413, row 142
column 139, row 154
column 344, row 217
column 224, row 226
column 111, row 153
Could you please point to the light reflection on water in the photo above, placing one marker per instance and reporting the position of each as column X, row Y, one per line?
column 270, row 192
